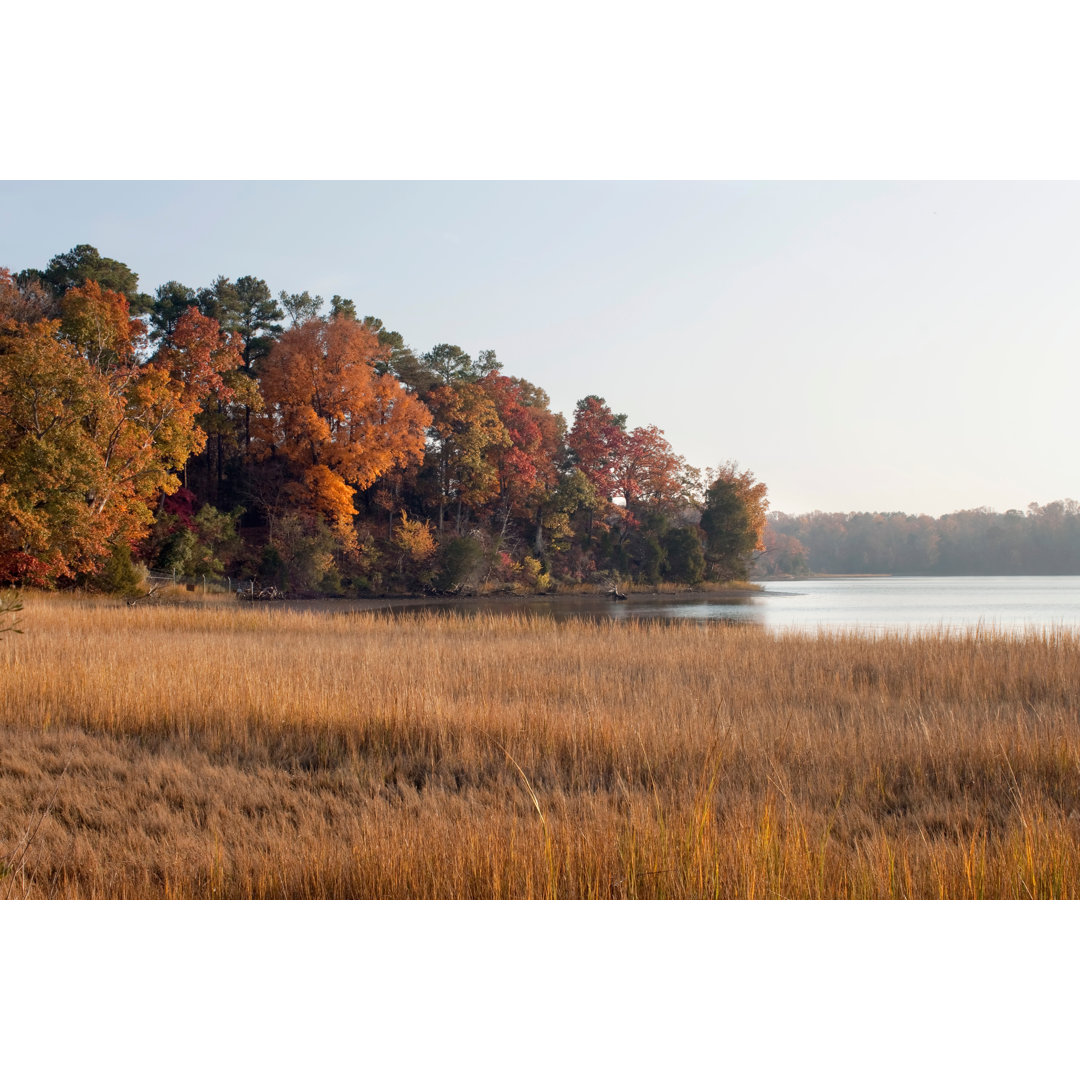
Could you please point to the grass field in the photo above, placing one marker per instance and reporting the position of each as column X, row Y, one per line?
column 228, row 750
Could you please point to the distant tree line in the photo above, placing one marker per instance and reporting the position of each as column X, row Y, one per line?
column 225, row 430
column 1040, row 540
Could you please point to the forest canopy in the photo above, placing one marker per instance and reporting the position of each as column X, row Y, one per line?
column 1038, row 540
column 212, row 430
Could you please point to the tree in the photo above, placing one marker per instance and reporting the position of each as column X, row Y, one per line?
column 300, row 307
column 247, row 308
column 337, row 424
column 204, row 363
column 171, row 300
column 198, row 355
column 526, row 464
column 450, row 364
column 685, row 558
column 574, row 493
column 650, row 474
column 398, row 359
column 49, row 464
column 98, row 323
column 143, row 423
column 88, row 437
column 597, row 440
column 24, row 301
column 340, row 308
column 415, row 544
column 733, row 520
column 465, row 431
column 784, row 554
column 85, row 263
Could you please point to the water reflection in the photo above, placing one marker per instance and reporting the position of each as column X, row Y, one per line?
column 872, row 605
column 1016, row 603
column 732, row 609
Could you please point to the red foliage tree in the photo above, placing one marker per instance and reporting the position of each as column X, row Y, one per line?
column 597, row 440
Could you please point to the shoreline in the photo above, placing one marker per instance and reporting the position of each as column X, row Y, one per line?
column 382, row 603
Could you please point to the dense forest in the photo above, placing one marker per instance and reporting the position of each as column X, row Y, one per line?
column 1040, row 540
column 220, row 430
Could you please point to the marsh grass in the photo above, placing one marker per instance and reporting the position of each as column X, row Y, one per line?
column 229, row 750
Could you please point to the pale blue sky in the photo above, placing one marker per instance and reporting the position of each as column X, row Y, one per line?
column 859, row 346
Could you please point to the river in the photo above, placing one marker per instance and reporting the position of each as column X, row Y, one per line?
column 872, row 604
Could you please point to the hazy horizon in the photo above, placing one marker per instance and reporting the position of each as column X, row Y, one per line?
column 874, row 347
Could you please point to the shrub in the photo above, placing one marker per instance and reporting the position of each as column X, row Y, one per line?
column 119, row 574
column 461, row 561
column 534, row 576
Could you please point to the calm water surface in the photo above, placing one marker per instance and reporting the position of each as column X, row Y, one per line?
column 1007, row 603
column 872, row 604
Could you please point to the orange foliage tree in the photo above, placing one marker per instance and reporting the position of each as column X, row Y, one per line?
column 335, row 422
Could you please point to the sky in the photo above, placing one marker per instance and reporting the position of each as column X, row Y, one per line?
column 860, row 346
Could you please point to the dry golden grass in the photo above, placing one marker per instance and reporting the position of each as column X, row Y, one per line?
column 229, row 750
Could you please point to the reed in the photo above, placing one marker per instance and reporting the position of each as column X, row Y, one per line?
column 228, row 750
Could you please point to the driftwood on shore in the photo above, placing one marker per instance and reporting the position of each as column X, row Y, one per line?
column 613, row 589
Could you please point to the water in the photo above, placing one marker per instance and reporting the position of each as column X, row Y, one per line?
column 903, row 603
column 873, row 604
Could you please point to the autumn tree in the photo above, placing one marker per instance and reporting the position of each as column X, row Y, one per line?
column 526, row 463
column 337, row 424
column 596, row 440
column 89, row 436
column 172, row 315
column 24, row 301
column 465, row 429
column 650, row 474
column 465, row 432
column 733, row 520
column 146, row 429
column 415, row 544
column 203, row 362
column 574, row 494
column 98, row 323
column 50, row 467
